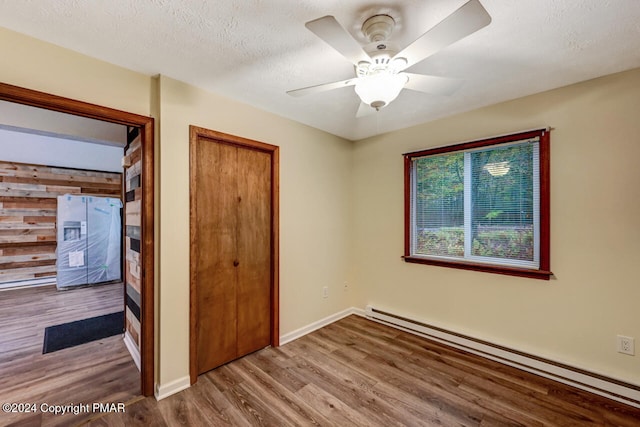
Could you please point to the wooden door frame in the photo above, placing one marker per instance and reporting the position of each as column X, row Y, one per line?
column 196, row 134
column 47, row 101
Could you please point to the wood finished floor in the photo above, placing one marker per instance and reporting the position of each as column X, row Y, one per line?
column 356, row 372
column 100, row 371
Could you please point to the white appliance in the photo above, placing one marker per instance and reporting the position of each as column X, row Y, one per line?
column 89, row 240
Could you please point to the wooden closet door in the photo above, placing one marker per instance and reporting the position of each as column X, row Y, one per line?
column 232, row 237
column 254, row 250
column 215, row 237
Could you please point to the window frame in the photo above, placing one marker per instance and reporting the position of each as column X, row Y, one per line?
column 544, row 270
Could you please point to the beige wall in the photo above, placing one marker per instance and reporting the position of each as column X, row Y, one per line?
column 573, row 318
column 315, row 171
column 37, row 65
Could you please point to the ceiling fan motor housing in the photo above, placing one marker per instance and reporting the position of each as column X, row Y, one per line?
column 378, row 28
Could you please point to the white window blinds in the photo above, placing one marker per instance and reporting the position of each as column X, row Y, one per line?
column 478, row 205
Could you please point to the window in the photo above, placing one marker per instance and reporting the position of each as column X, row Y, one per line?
column 481, row 205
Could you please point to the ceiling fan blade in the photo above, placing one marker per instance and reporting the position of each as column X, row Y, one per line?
column 365, row 110
column 322, row 88
column 330, row 30
column 468, row 19
column 432, row 84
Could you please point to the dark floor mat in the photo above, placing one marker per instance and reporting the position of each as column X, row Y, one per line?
column 83, row 331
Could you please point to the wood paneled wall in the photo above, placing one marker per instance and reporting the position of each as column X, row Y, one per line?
column 28, row 209
column 132, row 221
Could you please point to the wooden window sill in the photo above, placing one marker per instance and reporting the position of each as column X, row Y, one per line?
column 487, row 268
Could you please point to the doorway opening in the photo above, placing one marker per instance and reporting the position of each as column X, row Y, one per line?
column 142, row 193
column 52, row 167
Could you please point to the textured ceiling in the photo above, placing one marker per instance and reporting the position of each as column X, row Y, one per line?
column 255, row 50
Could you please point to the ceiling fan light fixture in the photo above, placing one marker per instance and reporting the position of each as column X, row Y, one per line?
column 398, row 64
column 378, row 90
column 379, row 68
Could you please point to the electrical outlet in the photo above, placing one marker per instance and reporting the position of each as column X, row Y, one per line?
column 325, row 292
column 345, row 286
column 626, row 345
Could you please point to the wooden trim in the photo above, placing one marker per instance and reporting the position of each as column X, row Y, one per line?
column 544, row 272
column 65, row 105
column 275, row 247
column 195, row 134
column 545, row 202
column 487, row 268
column 193, row 255
column 79, row 108
column 470, row 145
column 237, row 141
column 147, row 339
column 407, row 206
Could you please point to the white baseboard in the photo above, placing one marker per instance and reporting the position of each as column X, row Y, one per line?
column 602, row 385
column 133, row 349
column 319, row 324
column 166, row 390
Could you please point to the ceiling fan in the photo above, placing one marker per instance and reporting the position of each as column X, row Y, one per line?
column 380, row 74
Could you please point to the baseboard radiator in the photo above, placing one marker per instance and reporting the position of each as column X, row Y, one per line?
column 595, row 383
